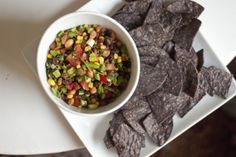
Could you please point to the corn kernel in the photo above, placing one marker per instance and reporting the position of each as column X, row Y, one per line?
column 49, row 56
column 101, row 60
column 87, row 48
column 79, row 41
column 79, row 37
column 85, row 25
column 116, row 56
column 90, row 85
column 78, row 66
column 96, row 63
column 119, row 60
column 51, row 82
column 103, row 47
column 84, row 34
column 88, row 80
column 69, row 96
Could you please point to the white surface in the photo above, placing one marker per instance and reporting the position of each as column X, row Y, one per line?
column 96, row 126
column 79, row 18
column 30, row 122
column 219, row 27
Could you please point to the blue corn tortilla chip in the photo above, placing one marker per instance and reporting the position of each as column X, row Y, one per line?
column 164, row 105
column 184, row 36
column 149, row 60
column 152, row 50
column 200, row 59
column 185, row 7
column 174, row 81
column 151, row 79
column 134, row 115
column 158, row 132
column 127, row 142
column 150, row 34
column 128, row 20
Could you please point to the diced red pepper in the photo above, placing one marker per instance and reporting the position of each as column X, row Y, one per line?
column 70, row 86
column 77, row 101
column 84, row 85
column 103, row 79
column 78, row 51
column 62, row 51
column 72, row 60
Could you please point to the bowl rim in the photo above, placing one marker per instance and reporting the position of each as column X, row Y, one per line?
column 133, row 45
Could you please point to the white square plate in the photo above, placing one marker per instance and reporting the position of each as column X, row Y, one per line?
column 91, row 130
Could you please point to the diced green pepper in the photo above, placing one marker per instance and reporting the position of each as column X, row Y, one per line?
column 56, row 73
column 60, row 34
column 58, row 42
column 92, row 57
column 100, row 89
column 55, row 92
column 102, row 67
column 54, row 52
column 63, row 90
column 71, row 71
column 97, row 76
column 74, row 29
column 81, row 92
column 91, row 65
column 72, row 34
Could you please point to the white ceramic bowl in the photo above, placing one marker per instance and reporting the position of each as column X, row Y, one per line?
column 79, row 18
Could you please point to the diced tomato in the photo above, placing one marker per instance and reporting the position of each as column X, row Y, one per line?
column 72, row 60
column 84, row 85
column 78, row 51
column 103, row 79
column 77, row 101
column 53, row 45
column 70, row 86
column 62, row 51
column 76, row 86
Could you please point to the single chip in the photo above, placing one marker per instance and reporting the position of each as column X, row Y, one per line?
column 184, row 36
column 150, row 35
column 188, row 103
column 108, row 140
column 128, row 20
column 163, row 105
column 188, row 55
column 159, row 132
column 115, row 122
column 127, row 142
column 139, row 7
column 187, row 7
column 190, row 73
column 134, row 115
column 132, row 103
column 150, row 80
column 174, row 81
column 149, row 60
column 220, row 81
column 200, row 56
column 152, row 50
column 204, row 80
column 167, row 20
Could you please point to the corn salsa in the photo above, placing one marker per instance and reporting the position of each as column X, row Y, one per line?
column 87, row 66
